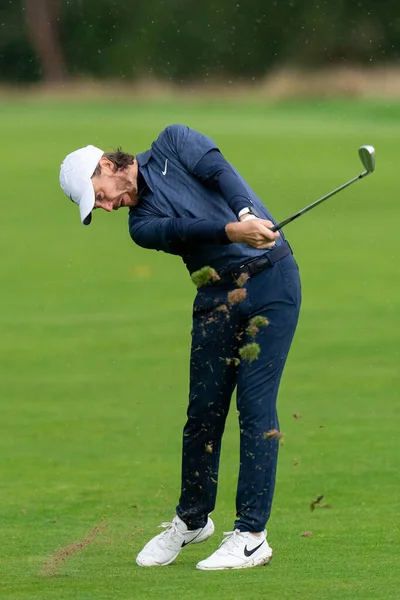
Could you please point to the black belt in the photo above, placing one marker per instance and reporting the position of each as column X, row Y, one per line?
column 256, row 266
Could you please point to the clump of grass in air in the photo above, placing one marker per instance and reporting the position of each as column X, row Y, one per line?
column 236, row 296
column 255, row 324
column 222, row 308
column 274, row 434
column 241, row 280
column 250, row 352
column 317, row 503
column 232, row 361
column 204, row 276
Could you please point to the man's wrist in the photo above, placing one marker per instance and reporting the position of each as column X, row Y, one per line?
column 246, row 213
column 247, row 217
column 231, row 230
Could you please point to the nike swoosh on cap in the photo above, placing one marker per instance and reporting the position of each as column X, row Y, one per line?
column 250, row 552
column 165, row 167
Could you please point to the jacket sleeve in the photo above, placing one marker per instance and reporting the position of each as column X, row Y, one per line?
column 214, row 171
column 175, row 235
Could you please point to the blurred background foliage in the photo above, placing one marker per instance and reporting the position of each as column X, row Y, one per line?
column 184, row 40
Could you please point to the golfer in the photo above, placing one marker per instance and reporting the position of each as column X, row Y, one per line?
column 184, row 198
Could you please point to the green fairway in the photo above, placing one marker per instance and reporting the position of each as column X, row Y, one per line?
column 94, row 353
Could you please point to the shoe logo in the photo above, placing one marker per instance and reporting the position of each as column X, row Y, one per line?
column 184, row 543
column 250, row 552
column 165, row 167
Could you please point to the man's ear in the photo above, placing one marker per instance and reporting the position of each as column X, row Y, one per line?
column 106, row 165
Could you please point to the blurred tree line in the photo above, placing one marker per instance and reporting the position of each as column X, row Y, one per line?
column 181, row 40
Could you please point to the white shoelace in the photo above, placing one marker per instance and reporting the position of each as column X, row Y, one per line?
column 167, row 525
column 231, row 537
column 171, row 532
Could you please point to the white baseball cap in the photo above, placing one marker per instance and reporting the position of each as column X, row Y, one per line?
column 75, row 179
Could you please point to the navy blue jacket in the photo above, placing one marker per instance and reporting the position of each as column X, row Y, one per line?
column 183, row 209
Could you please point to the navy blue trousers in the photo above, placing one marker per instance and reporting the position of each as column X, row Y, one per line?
column 219, row 331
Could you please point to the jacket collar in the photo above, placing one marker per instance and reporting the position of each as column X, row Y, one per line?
column 143, row 158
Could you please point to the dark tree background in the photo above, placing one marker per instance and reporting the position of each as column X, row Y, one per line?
column 181, row 40
column 43, row 21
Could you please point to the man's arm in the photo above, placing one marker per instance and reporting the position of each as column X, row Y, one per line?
column 214, row 171
column 177, row 235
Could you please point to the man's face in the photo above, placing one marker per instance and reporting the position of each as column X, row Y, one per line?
column 115, row 189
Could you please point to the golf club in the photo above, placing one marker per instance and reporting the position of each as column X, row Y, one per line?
column 367, row 156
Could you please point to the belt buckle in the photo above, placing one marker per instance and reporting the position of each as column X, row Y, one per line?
column 259, row 265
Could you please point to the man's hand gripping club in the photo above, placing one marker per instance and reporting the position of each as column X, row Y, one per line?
column 252, row 231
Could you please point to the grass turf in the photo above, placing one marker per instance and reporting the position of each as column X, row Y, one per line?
column 94, row 348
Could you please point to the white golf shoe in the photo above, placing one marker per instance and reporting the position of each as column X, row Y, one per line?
column 165, row 547
column 238, row 550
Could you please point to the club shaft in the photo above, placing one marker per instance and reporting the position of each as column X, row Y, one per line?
column 310, row 206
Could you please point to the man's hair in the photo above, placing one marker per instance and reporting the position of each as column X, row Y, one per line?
column 120, row 160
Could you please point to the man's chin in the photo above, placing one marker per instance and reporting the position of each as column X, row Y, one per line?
column 133, row 202
column 129, row 202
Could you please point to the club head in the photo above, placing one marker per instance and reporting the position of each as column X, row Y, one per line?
column 367, row 156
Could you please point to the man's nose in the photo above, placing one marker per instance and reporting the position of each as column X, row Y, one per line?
column 108, row 206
